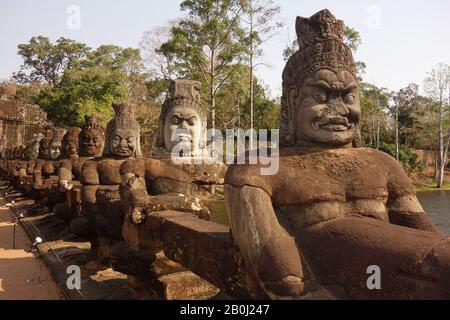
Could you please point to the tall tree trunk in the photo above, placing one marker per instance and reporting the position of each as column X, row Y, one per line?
column 436, row 159
column 397, row 153
column 213, row 101
column 239, row 111
column 440, row 181
column 373, row 132
column 447, row 145
column 378, row 132
column 251, row 81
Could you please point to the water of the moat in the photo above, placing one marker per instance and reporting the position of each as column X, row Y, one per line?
column 437, row 205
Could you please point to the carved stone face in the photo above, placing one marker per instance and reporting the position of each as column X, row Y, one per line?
column 328, row 110
column 91, row 143
column 123, row 143
column 182, row 125
column 70, row 148
column 54, row 150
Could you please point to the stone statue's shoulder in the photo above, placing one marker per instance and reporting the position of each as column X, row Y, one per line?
column 165, row 167
column 80, row 160
column 66, row 163
column 133, row 165
column 92, row 162
column 379, row 157
column 240, row 175
column 397, row 179
column 89, row 173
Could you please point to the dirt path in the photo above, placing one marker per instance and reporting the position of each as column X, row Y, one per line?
column 22, row 275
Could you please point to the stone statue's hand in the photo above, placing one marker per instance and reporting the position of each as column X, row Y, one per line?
column 133, row 182
column 178, row 202
column 289, row 287
column 133, row 189
column 204, row 213
column 38, row 186
column 65, row 185
column 198, row 208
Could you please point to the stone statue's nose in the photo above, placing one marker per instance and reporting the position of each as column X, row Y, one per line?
column 183, row 124
column 338, row 106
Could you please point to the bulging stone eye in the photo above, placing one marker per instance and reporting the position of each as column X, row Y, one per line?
column 192, row 121
column 350, row 98
column 175, row 120
column 321, row 97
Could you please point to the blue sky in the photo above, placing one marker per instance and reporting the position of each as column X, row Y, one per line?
column 402, row 39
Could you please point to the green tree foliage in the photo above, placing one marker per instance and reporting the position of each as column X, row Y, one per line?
column 411, row 108
column 233, row 104
column 205, row 44
column 81, row 92
column 260, row 23
column 44, row 61
column 408, row 159
column 76, row 80
column 352, row 38
column 437, row 86
column 374, row 123
column 211, row 45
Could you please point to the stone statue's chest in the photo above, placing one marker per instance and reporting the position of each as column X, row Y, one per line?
column 109, row 171
column 49, row 168
column 77, row 164
column 328, row 176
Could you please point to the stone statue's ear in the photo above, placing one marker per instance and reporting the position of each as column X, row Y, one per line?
column 293, row 93
column 293, row 100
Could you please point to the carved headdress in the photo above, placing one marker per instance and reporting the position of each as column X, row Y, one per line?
column 93, row 123
column 182, row 93
column 124, row 119
column 58, row 135
column 321, row 45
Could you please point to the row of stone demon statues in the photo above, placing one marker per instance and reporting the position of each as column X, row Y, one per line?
column 313, row 229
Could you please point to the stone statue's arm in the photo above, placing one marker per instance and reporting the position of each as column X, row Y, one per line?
column 89, row 173
column 405, row 210
column 37, row 174
column 268, row 250
column 23, row 169
column 22, row 172
column 16, row 169
column 30, row 167
column 134, row 194
column 65, row 175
